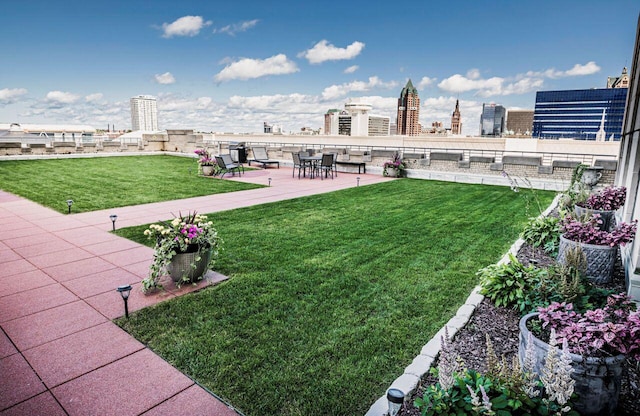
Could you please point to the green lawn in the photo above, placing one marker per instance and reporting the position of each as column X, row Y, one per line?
column 332, row 295
column 109, row 182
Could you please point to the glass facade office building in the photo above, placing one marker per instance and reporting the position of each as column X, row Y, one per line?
column 577, row 114
column 492, row 120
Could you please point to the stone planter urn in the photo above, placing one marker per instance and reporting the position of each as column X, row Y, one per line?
column 207, row 170
column 592, row 175
column 392, row 172
column 598, row 380
column 607, row 217
column 600, row 259
column 182, row 270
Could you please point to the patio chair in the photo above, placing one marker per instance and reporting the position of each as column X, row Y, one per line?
column 326, row 165
column 226, row 164
column 260, row 156
column 298, row 164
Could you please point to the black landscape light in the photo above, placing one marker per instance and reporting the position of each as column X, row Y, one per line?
column 124, row 292
column 395, row 398
column 358, row 180
column 113, row 218
column 69, row 203
column 269, row 181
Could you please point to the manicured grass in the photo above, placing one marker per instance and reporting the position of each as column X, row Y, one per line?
column 109, row 182
column 332, row 295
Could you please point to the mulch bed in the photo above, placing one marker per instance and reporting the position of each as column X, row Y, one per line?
column 502, row 327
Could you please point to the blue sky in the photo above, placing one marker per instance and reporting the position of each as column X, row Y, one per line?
column 229, row 66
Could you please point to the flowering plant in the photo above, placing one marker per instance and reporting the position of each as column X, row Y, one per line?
column 205, row 158
column 614, row 329
column 608, row 199
column 589, row 233
column 395, row 163
column 190, row 233
column 505, row 389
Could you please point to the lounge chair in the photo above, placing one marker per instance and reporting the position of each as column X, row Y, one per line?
column 226, row 164
column 260, row 156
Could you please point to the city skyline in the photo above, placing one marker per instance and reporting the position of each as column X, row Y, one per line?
column 231, row 67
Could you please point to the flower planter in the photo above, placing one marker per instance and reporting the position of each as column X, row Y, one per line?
column 181, row 270
column 607, row 217
column 598, row 380
column 207, row 170
column 591, row 175
column 600, row 259
column 392, row 172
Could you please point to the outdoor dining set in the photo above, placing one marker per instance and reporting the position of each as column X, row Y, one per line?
column 321, row 165
column 318, row 165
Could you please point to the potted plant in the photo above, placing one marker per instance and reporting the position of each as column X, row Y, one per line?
column 394, row 167
column 598, row 246
column 186, row 248
column 206, row 163
column 599, row 341
column 605, row 203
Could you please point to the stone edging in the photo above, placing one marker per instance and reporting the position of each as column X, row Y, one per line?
column 408, row 381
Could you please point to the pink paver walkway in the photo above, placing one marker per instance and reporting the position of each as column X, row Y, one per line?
column 60, row 354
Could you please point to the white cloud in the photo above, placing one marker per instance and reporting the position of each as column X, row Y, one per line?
column 578, row 70
column 351, row 69
column 166, row 78
column 335, row 91
column 473, row 73
column 11, row 95
column 425, row 82
column 324, row 51
column 61, row 97
column 93, row 97
column 247, row 68
column 237, row 27
column 458, row 83
column 184, row 26
column 587, row 69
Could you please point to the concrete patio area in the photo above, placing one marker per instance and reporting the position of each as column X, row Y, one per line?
column 60, row 354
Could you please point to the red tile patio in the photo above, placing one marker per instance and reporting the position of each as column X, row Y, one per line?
column 60, row 354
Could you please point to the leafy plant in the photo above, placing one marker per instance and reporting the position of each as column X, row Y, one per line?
column 205, row 158
column 183, row 233
column 588, row 232
column 395, row 163
column 543, row 232
column 504, row 390
column 614, row 329
column 608, row 199
column 577, row 191
column 566, row 283
column 507, row 285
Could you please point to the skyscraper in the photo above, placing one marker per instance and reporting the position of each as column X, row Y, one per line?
column 492, row 120
column 456, row 124
column 144, row 113
column 579, row 114
column 408, row 111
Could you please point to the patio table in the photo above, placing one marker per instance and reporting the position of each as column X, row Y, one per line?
column 313, row 161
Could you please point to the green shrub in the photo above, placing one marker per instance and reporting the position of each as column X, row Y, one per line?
column 508, row 285
column 543, row 232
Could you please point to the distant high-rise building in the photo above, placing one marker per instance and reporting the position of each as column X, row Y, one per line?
column 579, row 114
column 408, row 111
column 619, row 82
column 456, row 124
column 331, row 122
column 520, row 122
column 144, row 113
column 355, row 120
column 492, row 120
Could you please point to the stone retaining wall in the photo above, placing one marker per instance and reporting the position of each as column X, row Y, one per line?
column 547, row 167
